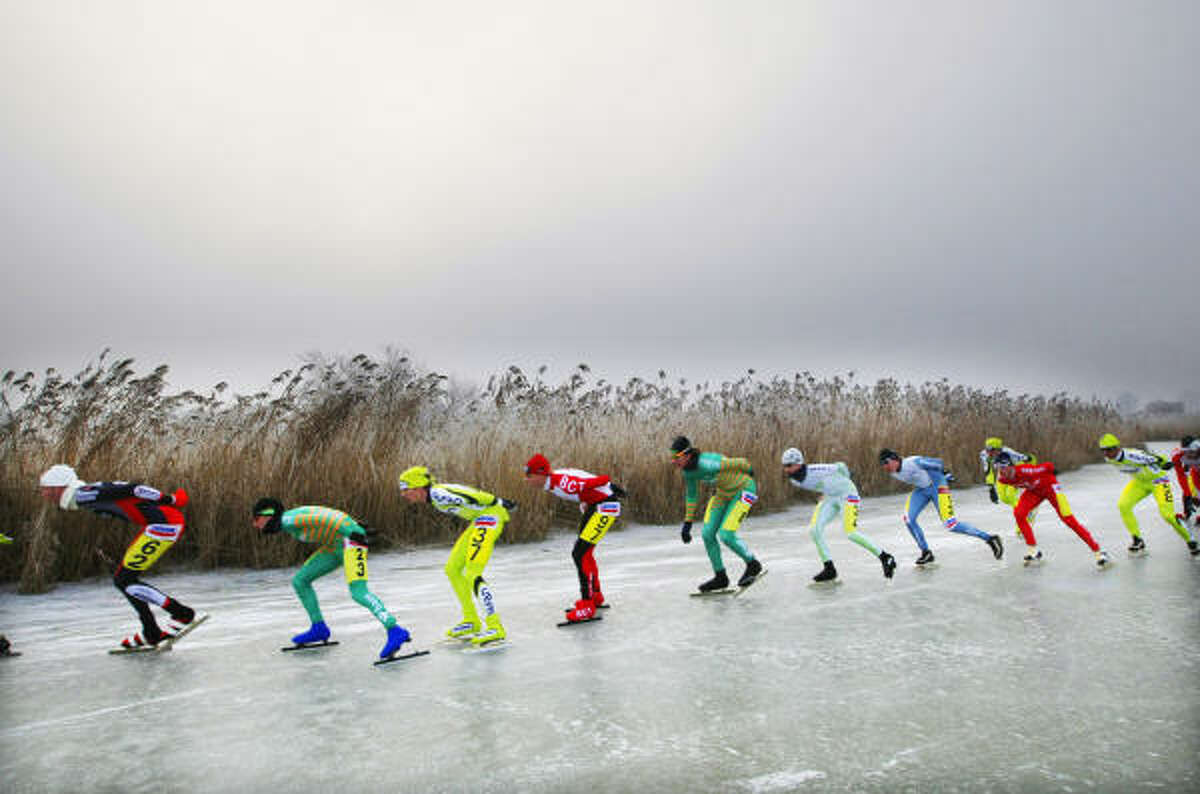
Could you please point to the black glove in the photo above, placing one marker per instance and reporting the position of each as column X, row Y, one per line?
column 685, row 532
column 508, row 504
column 995, row 497
column 367, row 538
column 1190, row 503
column 949, row 476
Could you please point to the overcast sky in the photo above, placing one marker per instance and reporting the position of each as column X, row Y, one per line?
column 1003, row 193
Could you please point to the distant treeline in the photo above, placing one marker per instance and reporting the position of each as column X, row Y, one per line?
column 337, row 432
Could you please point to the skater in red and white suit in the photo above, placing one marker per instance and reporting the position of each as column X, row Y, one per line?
column 599, row 500
column 1186, row 462
column 1037, row 483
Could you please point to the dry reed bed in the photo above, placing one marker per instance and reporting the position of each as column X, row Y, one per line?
column 338, row 432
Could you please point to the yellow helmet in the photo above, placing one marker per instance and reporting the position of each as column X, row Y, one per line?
column 994, row 443
column 415, row 477
column 1109, row 441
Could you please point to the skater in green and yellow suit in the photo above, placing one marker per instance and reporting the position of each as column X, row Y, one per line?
column 1150, row 475
column 736, row 493
column 341, row 542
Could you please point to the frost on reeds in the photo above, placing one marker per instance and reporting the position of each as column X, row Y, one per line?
column 337, row 432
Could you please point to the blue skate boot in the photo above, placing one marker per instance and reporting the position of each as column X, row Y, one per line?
column 397, row 636
column 318, row 633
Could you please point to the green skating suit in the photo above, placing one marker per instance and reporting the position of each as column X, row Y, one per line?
column 342, row 542
column 736, row 493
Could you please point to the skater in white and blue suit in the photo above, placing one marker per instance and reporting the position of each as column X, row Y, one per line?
column 928, row 478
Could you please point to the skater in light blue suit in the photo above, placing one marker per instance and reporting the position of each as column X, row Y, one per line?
column 928, row 478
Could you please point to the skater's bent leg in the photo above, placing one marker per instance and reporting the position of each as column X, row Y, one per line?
column 816, row 530
column 1131, row 494
column 850, row 524
column 712, row 520
column 582, row 551
column 915, row 504
column 1025, row 505
column 950, row 521
column 455, row 572
column 354, row 561
column 1166, row 508
column 733, row 519
column 317, row 565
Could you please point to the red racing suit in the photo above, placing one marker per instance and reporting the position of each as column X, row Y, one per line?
column 599, row 501
column 1037, row 483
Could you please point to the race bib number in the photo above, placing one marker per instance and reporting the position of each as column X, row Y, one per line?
column 354, row 559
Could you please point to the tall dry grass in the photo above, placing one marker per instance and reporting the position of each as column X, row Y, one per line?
column 337, row 432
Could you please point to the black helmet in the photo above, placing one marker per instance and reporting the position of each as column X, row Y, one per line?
column 1187, row 441
column 886, row 454
column 1003, row 459
column 269, row 506
column 681, row 445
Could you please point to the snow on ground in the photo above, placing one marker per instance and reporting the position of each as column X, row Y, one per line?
column 977, row 676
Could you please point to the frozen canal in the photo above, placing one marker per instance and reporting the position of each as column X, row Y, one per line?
column 977, row 676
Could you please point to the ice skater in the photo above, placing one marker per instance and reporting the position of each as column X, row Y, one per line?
column 930, row 483
column 487, row 515
column 341, row 542
column 1186, row 462
column 736, row 492
column 997, row 491
column 160, row 522
column 1038, row 482
column 599, row 500
column 839, row 495
column 1150, row 474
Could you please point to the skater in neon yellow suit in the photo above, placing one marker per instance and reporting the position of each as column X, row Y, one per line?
column 488, row 514
column 736, row 493
column 1150, row 475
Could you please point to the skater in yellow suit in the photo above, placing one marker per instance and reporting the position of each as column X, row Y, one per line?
column 487, row 515
column 1150, row 475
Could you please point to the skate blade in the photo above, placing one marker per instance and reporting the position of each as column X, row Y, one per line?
column 487, row 647
column 400, row 657
column 832, row 583
column 308, row 646
column 710, row 593
column 929, row 566
column 577, row 622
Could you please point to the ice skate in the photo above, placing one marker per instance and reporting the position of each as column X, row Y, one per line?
column 1102, row 560
column 1193, row 548
column 889, row 564
column 753, row 569
column 996, row 546
column 318, row 633
column 827, row 574
column 1138, row 547
column 463, row 631
column 720, row 581
column 494, row 634
column 583, row 610
column 1033, row 557
column 396, row 636
column 926, row 560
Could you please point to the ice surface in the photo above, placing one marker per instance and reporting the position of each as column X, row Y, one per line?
column 977, row 676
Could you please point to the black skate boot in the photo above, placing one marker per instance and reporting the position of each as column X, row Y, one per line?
column 719, row 582
column 925, row 559
column 889, row 564
column 996, row 546
column 827, row 574
column 753, row 569
column 1138, row 546
column 1193, row 547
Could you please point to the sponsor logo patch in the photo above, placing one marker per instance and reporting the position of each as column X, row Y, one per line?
column 164, row 531
column 486, row 521
column 749, row 498
column 609, row 508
